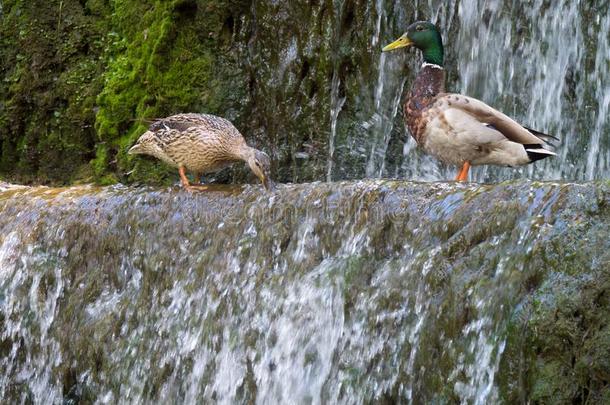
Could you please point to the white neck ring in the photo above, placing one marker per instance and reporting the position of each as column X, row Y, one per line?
column 432, row 65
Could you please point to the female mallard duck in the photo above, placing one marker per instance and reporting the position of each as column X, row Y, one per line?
column 456, row 129
column 200, row 143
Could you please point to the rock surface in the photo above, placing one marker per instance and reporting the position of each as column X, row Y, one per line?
column 372, row 291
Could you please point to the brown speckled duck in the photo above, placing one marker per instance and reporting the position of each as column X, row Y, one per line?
column 457, row 129
column 200, row 143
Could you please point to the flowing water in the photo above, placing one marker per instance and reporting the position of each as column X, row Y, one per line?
column 324, row 293
column 547, row 65
column 387, row 96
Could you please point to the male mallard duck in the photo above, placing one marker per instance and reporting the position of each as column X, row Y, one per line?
column 200, row 143
column 457, row 129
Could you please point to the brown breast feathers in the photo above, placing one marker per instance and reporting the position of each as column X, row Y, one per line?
column 429, row 83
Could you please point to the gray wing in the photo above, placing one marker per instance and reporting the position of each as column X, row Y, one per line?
column 484, row 115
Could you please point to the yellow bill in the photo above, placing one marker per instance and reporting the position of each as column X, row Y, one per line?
column 401, row 42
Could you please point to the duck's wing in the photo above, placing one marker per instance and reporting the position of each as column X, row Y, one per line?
column 180, row 122
column 183, row 122
column 491, row 118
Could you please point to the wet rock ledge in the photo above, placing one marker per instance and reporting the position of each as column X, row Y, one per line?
column 354, row 292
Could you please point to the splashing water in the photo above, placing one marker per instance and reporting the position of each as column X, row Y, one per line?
column 344, row 293
column 328, row 293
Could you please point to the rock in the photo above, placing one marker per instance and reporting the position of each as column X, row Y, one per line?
column 353, row 292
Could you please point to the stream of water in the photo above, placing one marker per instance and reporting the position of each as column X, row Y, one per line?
column 326, row 293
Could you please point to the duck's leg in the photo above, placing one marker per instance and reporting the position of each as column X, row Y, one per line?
column 463, row 175
column 183, row 179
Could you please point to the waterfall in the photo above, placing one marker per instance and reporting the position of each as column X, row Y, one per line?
column 336, row 104
column 598, row 155
column 387, row 95
column 547, row 67
column 352, row 292
column 327, row 293
column 336, row 101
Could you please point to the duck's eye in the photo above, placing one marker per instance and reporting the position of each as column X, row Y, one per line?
column 420, row 28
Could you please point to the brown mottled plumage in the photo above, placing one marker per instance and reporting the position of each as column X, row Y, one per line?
column 429, row 83
column 200, row 143
column 457, row 129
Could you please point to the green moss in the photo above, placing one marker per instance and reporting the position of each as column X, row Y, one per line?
column 51, row 70
column 160, row 65
column 81, row 73
column 80, row 78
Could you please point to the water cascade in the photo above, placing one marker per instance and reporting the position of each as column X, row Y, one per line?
column 545, row 66
column 387, row 97
column 327, row 293
column 548, row 67
column 336, row 101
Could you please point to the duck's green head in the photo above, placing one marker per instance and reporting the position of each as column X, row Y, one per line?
column 424, row 36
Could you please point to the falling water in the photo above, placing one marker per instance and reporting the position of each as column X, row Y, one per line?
column 336, row 100
column 545, row 66
column 359, row 292
column 598, row 159
column 548, row 68
column 336, row 104
column 388, row 93
column 345, row 293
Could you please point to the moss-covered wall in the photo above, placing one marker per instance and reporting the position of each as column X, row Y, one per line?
column 175, row 58
column 51, row 62
column 80, row 79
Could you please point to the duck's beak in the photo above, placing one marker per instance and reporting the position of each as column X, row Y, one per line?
column 401, row 42
column 134, row 150
column 268, row 183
